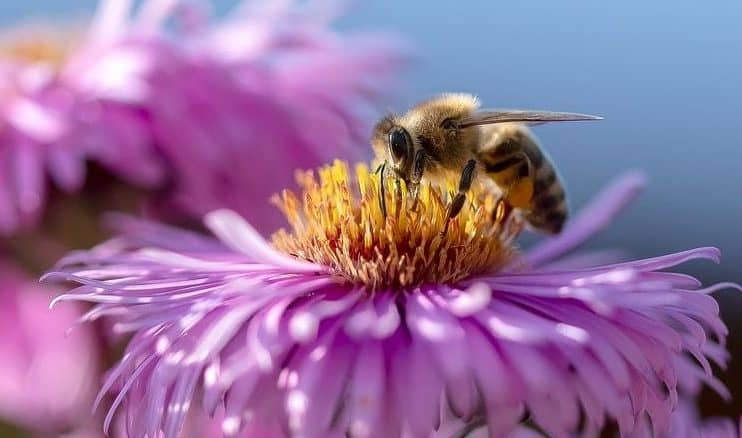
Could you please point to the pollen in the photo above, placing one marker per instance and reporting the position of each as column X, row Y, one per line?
column 337, row 220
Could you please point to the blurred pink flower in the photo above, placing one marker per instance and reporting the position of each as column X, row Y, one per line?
column 49, row 127
column 193, row 107
column 47, row 377
column 236, row 105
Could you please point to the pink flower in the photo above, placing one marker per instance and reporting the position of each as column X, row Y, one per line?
column 194, row 112
column 47, row 378
column 243, row 101
column 361, row 323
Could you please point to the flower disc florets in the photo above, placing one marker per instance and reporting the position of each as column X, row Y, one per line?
column 37, row 45
column 338, row 221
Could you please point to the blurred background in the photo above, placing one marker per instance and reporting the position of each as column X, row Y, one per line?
column 666, row 77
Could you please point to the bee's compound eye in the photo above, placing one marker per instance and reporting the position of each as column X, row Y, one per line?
column 399, row 144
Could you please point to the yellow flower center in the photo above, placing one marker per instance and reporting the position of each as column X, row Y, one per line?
column 38, row 45
column 338, row 221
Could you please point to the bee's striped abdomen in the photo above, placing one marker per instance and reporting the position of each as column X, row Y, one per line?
column 549, row 209
column 511, row 156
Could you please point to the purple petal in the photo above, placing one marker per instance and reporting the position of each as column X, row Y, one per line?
column 236, row 233
column 413, row 370
column 367, row 386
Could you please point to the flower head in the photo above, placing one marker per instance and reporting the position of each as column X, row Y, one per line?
column 373, row 326
column 241, row 101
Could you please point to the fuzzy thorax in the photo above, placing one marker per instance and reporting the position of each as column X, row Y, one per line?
column 337, row 221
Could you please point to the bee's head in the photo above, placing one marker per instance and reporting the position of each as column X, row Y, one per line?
column 432, row 125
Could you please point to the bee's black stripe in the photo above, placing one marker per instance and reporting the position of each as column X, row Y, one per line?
column 536, row 157
column 503, row 165
column 549, row 201
column 524, row 170
column 557, row 216
column 507, row 147
column 543, row 183
column 552, row 222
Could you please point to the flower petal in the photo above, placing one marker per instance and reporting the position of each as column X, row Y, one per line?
column 236, row 233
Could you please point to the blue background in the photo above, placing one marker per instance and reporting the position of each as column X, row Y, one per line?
column 667, row 77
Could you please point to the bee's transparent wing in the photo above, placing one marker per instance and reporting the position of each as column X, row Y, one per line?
column 489, row 116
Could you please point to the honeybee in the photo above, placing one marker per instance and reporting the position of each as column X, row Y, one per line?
column 451, row 134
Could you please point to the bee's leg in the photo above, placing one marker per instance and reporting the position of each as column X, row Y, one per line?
column 380, row 168
column 513, row 172
column 505, row 159
column 502, row 211
column 382, row 192
column 465, row 182
column 416, row 175
column 520, row 192
column 397, row 195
